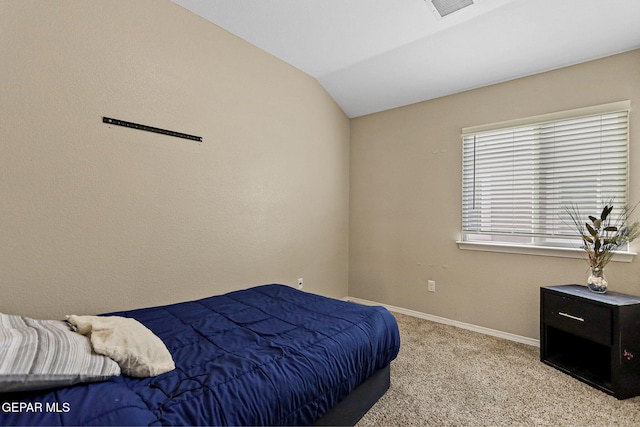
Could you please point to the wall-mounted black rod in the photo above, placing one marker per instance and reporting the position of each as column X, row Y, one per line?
column 150, row 129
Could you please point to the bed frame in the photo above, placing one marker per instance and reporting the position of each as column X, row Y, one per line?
column 353, row 407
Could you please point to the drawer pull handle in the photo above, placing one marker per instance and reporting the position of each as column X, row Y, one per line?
column 570, row 316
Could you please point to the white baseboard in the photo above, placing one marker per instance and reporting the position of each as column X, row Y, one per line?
column 438, row 319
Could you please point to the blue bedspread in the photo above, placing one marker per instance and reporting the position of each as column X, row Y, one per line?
column 269, row 355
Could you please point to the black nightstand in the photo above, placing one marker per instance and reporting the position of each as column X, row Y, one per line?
column 593, row 337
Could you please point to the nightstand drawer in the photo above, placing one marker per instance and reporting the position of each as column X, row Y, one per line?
column 584, row 319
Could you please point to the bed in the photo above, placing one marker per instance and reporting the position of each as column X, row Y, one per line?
column 267, row 355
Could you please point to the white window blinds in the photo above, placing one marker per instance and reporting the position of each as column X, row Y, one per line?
column 518, row 178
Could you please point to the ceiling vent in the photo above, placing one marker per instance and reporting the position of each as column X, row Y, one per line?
column 446, row 7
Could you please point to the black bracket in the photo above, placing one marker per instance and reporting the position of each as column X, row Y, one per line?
column 150, row 129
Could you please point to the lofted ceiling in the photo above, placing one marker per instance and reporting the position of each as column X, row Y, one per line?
column 374, row 55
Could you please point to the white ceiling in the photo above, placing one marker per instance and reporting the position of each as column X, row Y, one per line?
column 373, row 55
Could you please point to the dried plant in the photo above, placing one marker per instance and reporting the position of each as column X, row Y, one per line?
column 603, row 235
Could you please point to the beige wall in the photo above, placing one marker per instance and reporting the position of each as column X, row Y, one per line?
column 406, row 202
column 97, row 218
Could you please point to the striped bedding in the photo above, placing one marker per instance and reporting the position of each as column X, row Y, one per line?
column 37, row 354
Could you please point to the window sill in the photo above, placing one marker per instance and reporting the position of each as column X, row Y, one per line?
column 538, row 250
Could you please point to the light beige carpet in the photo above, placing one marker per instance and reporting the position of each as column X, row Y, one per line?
column 447, row 376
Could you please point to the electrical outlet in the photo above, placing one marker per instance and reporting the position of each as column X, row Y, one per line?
column 300, row 283
column 431, row 285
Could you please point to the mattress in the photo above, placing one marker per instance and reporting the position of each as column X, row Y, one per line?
column 268, row 355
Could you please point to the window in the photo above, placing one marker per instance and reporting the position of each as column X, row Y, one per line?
column 519, row 176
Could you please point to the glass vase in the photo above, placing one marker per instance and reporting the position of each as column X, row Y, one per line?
column 596, row 281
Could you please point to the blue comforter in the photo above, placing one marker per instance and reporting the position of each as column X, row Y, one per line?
column 269, row 355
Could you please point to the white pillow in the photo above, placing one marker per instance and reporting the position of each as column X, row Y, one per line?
column 41, row 354
column 135, row 348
